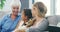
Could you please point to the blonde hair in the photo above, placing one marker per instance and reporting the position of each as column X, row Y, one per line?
column 42, row 10
column 16, row 3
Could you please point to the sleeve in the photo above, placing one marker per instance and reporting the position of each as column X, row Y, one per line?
column 41, row 27
column 2, row 22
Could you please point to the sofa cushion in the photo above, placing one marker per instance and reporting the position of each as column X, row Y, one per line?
column 53, row 20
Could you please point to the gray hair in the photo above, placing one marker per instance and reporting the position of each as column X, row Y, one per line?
column 15, row 3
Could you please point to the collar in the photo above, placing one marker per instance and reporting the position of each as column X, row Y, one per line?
column 9, row 15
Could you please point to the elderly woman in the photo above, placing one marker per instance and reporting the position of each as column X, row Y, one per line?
column 40, row 24
column 9, row 22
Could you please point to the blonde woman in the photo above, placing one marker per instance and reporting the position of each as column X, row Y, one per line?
column 38, row 11
column 40, row 24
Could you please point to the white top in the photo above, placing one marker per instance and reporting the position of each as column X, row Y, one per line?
column 19, row 27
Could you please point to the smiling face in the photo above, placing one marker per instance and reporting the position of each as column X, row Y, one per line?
column 24, row 18
column 15, row 10
column 26, row 14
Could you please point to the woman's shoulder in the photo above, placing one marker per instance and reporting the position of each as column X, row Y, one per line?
column 45, row 20
column 44, row 24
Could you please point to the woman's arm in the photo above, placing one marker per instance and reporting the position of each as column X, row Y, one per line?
column 2, row 22
column 40, row 28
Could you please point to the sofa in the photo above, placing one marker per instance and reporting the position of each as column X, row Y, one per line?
column 54, row 23
column 53, row 20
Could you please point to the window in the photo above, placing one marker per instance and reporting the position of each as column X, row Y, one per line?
column 57, row 7
column 6, row 8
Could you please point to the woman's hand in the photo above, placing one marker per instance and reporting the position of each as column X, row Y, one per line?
column 20, row 31
column 31, row 22
column 23, row 30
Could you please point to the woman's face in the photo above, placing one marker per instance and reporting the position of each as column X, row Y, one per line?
column 15, row 10
column 24, row 18
column 34, row 11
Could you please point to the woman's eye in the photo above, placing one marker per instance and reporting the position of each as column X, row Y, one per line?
column 14, row 8
column 17, row 8
column 34, row 8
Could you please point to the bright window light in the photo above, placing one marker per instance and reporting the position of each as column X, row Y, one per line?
column 58, row 7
